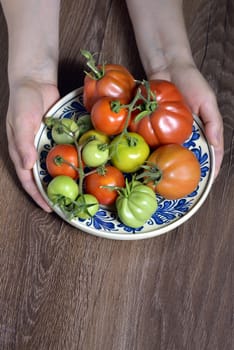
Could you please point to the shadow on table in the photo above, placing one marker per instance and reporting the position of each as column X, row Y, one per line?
column 70, row 76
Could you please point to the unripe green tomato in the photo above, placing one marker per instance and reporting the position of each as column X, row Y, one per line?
column 62, row 186
column 62, row 128
column 128, row 152
column 93, row 134
column 88, row 206
column 95, row 153
column 136, row 204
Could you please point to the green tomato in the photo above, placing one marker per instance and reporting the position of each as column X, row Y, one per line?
column 95, row 153
column 62, row 128
column 62, row 187
column 93, row 134
column 128, row 152
column 136, row 204
column 87, row 206
column 84, row 123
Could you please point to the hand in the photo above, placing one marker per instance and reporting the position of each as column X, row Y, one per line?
column 29, row 101
column 202, row 101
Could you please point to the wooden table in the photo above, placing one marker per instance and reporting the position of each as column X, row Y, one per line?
column 62, row 289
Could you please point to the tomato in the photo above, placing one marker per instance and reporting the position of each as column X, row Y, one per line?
column 62, row 188
column 175, row 171
column 84, row 123
column 128, row 152
column 136, row 204
column 67, row 153
column 110, row 177
column 166, row 120
column 106, row 119
column 62, row 128
column 86, row 206
column 95, row 153
column 93, row 135
column 111, row 80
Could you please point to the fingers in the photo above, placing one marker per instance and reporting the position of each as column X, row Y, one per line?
column 212, row 120
column 29, row 100
column 24, row 156
column 27, row 180
column 202, row 101
column 23, row 138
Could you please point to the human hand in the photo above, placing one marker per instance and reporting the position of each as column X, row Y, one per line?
column 202, row 101
column 29, row 101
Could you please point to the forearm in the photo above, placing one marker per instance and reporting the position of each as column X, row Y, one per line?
column 33, row 28
column 160, row 33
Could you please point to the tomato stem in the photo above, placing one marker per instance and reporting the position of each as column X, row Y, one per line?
column 81, row 169
column 91, row 63
column 149, row 104
column 58, row 160
column 151, row 173
column 131, row 106
column 127, row 190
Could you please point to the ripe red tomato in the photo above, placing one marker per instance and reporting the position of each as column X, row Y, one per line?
column 66, row 152
column 169, row 120
column 111, row 80
column 179, row 171
column 112, row 177
column 105, row 119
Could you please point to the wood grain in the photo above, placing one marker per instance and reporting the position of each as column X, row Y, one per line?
column 63, row 289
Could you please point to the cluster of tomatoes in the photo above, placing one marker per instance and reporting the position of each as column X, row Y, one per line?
column 134, row 128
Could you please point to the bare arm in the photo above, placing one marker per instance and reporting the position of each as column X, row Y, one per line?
column 165, row 53
column 33, row 38
column 160, row 33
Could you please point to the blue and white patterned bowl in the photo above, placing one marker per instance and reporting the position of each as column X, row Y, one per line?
column 170, row 213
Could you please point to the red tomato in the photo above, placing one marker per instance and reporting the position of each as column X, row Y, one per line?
column 112, row 177
column 105, row 119
column 178, row 171
column 168, row 121
column 66, row 152
column 111, row 80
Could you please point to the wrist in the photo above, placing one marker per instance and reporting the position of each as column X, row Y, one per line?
column 33, row 28
column 161, row 62
column 40, row 69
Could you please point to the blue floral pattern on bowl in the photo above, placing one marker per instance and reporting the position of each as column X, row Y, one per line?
column 169, row 214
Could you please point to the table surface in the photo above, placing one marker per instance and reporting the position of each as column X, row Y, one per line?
column 64, row 289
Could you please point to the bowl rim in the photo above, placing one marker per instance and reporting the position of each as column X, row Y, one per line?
column 122, row 235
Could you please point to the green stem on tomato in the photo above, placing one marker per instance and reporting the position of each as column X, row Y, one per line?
column 151, row 173
column 98, row 73
column 101, row 170
column 116, row 106
column 58, row 160
column 60, row 127
column 145, row 108
column 150, row 103
column 81, row 169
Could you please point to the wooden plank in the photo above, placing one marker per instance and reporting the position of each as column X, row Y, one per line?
column 63, row 289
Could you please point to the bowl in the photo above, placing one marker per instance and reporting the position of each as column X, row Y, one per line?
column 169, row 214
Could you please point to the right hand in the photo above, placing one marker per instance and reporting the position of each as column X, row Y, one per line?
column 29, row 101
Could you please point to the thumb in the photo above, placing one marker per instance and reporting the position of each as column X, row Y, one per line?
column 24, row 145
column 214, row 132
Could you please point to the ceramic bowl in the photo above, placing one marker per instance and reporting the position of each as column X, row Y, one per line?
column 170, row 213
